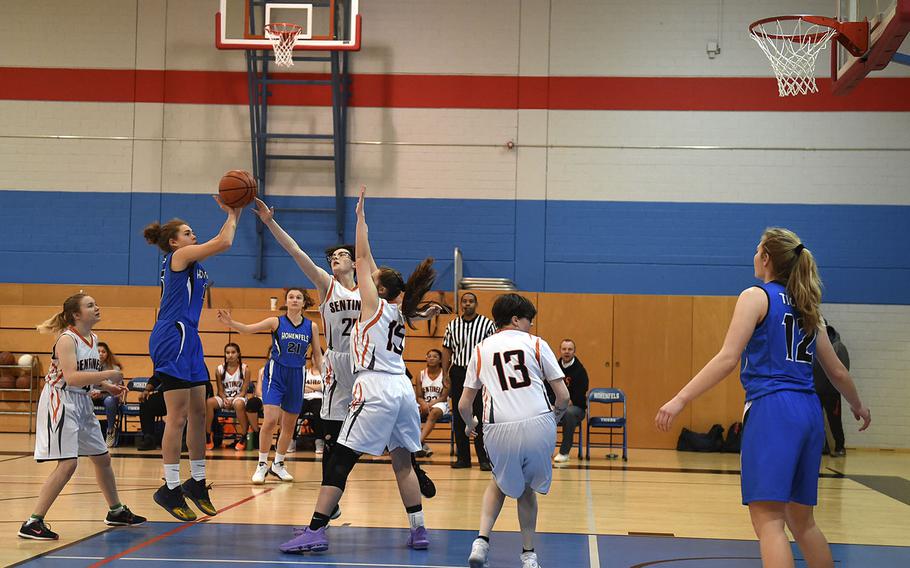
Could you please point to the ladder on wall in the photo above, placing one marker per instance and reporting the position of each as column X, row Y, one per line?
column 260, row 79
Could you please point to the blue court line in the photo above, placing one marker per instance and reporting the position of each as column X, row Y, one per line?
column 204, row 544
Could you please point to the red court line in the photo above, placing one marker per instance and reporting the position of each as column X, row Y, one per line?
column 174, row 531
column 450, row 91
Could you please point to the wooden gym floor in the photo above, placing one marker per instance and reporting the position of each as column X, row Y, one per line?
column 662, row 508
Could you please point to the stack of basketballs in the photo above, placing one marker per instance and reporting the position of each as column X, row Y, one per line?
column 19, row 378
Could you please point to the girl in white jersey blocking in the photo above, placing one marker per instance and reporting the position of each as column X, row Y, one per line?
column 519, row 425
column 384, row 412
column 339, row 306
column 66, row 425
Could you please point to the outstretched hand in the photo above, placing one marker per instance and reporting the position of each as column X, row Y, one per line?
column 235, row 211
column 430, row 311
column 224, row 317
column 263, row 211
column 363, row 190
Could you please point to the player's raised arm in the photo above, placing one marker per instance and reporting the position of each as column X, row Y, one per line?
column 319, row 277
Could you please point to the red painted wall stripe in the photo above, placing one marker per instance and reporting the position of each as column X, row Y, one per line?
column 451, row 91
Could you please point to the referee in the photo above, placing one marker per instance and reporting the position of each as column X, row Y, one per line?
column 462, row 335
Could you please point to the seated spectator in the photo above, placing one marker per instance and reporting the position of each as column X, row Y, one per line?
column 313, row 384
column 432, row 392
column 111, row 403
column 151, row 406
column 232, row 379
column 577, row 382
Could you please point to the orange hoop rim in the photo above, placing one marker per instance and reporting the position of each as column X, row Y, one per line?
column 756, row 28
column 285, row 29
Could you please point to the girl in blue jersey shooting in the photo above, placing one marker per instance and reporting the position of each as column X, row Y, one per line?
column 176, row 352
column 282, row 378
column 777, row 330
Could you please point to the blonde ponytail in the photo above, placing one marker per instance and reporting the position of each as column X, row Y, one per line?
column 61, row 320
column 795, row 267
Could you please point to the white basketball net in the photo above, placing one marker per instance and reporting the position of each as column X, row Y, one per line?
column 283, row 38
column 793, row 46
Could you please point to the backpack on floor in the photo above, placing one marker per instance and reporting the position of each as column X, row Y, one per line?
column 712, row 441
column 734, row 438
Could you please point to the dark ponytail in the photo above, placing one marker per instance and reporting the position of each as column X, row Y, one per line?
column 419, row 283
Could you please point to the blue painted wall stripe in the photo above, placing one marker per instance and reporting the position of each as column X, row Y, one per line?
column 556, row 246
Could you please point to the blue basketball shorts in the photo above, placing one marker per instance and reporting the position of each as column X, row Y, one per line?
column 176, row 350
column 783, row 435
column 283, row 386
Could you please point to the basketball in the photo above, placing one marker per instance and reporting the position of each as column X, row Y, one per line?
column 24, row 382
column 7, row 358
column 237, row 188
column 7, row 381
column 26, row 360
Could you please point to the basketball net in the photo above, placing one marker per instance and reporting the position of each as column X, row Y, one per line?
column 793, row 46
column 283, row 37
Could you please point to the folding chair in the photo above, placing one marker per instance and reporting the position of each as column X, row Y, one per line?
column 131, row 409
column 609, row 397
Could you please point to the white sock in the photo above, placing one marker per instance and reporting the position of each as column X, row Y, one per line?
column 263, row 457
column 197, row 469
column 279, row 458
column 172, row 475
column 415, row 519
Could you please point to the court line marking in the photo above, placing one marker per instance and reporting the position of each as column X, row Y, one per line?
column 593, row 551
column 325, row 562
column 174, row 531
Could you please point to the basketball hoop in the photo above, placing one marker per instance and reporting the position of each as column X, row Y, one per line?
column 792, row 44
column 283, row 37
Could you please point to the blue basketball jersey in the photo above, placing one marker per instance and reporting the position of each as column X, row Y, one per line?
column 290, row 342
column 182, row 293
column 779, row 355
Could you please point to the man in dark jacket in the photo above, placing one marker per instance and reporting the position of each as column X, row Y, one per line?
column 577, row 382
column 828, row 395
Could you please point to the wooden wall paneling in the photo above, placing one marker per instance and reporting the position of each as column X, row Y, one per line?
column 415, row 348
column 251, row 345
column 724, row 403
column 588, row 320
column 112, row 318
column 122, row 296
column 11, row 294
column 227, row 298
column 652, row 359
column 260, row 298
column 14, row 423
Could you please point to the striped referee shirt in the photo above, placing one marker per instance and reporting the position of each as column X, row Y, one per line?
column 462, row 336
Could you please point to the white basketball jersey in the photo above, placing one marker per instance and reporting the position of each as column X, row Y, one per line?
column 340, row 312
column 378, row 342
column 87, row 359
column 432, row 388
column 232, row 382
column 313, row 379
column 512, row 366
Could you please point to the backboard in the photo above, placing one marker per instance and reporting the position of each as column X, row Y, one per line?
column 328, row 25
column 889, row 23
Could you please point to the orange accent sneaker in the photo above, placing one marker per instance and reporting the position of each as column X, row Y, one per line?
column 240, row 446
column 209, row 443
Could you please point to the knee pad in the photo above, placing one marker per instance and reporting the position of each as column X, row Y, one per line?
column 341, row 462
